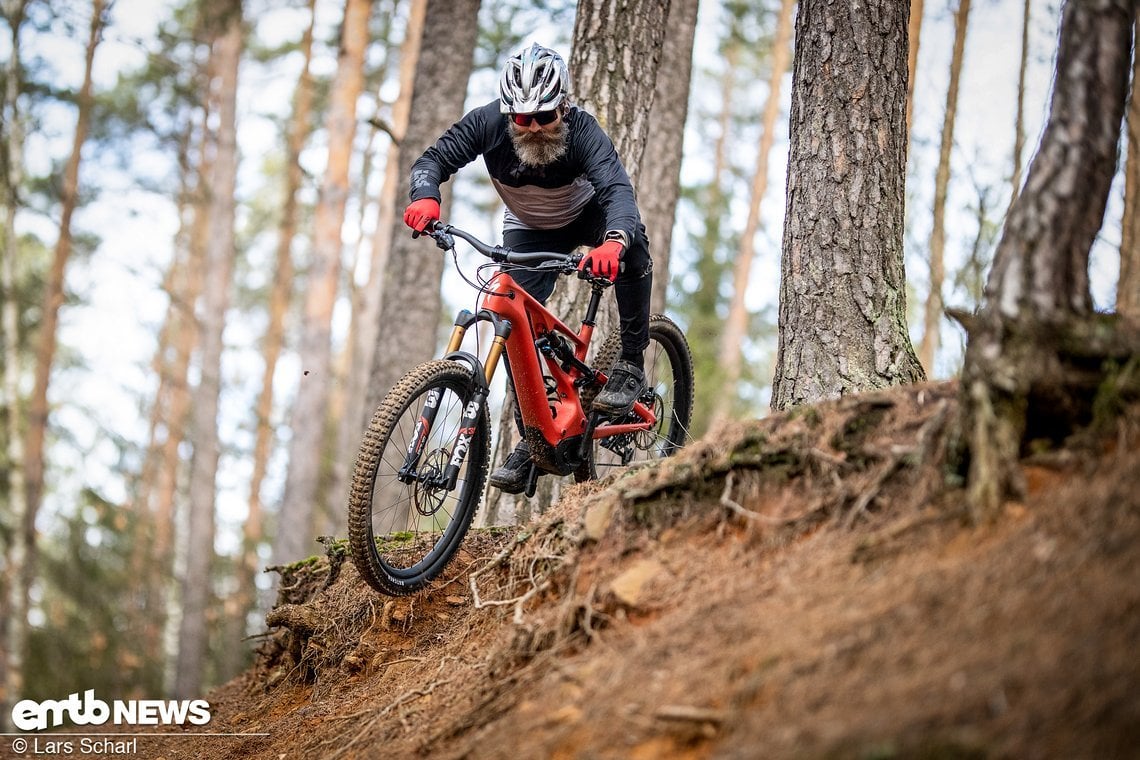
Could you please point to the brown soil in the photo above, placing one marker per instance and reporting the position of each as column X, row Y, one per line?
column 801, row 586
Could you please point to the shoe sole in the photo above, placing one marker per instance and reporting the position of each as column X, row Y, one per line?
column 511, row 487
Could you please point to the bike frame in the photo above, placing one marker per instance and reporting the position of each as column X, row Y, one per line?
column 528, row 324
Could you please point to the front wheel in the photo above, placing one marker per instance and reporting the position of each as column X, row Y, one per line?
column 404, row 523
column 669, row 393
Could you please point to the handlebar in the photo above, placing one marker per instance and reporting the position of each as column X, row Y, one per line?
column 565, row 263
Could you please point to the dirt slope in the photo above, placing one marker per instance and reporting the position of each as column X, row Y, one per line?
column 802, row 586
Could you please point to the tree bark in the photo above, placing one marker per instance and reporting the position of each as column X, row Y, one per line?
column 196, row 583
column 932, row 322
column 308, row 424
column 15, row 611
column 661, row 162
column 620, row 91
column 843, row 289
column 410, row 300
column 1128, row 287
column 737, row 322
column 1017, row 364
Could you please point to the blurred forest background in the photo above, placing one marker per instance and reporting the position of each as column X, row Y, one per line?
column 200, row 200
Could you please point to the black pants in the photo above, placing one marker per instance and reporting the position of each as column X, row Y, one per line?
column 634, row 283
column 633, row 286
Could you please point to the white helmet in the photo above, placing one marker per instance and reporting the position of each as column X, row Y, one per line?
column 533, row 80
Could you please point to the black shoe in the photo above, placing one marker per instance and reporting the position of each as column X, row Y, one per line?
column 625, row 386
column 512, row 476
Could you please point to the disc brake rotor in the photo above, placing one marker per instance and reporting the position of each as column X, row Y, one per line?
column 429, row 498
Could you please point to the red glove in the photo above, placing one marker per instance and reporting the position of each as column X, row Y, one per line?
column 421, row 213
column 603, row 260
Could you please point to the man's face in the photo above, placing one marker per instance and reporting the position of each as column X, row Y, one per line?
column 538, row 144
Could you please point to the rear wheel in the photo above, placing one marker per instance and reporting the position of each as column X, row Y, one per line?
column 669, row 393
column 404, row 525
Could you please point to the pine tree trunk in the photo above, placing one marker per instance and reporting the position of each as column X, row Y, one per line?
column 661, row 162
column 196, row 584
column 620, row 91
column 1019, row 120
column 151, row 557
column 737, row 323
column 1037, row 316
column 914, row 37
column 932, row 322
column 410, row 302
column 1128, row 288
column 365, row 321
column 53, row 301
column 298, row 134
column 308, row 424
column 185, row 336
column 15, row 600
column 842, row 286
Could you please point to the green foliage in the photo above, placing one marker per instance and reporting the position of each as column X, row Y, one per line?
column 89, row 610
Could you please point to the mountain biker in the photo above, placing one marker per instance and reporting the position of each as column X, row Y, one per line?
column 563, row 186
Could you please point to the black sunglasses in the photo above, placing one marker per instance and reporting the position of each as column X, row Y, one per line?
column 544, row 118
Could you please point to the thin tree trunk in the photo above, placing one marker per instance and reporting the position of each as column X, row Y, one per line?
column 196, row 584
column 705, row 325
column 410, row 301
column 1038, row 309
column 1128, row 287
column 1019, row 121
column 15, row 612
column 365, row 322
column 298, row 134
column 53, row 301
column 914, row 37
column 842, row 285
column 174, row 391
column 932, row 323
column 661, row 162
column 150, row 569
column 308, row 423
column 737, row 322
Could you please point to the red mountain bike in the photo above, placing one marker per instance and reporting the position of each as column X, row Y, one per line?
column 422, row 464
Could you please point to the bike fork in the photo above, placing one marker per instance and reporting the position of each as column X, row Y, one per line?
column 468, row 426
column 407, row 473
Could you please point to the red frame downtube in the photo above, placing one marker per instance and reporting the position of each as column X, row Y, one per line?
column 530, row 321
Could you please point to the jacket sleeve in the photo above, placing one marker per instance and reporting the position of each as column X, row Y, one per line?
column 461, row 144
column 604, row 170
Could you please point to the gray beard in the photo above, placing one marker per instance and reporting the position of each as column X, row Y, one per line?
column 539, row 148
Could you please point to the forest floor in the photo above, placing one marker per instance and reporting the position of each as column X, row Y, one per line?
column 803, row 586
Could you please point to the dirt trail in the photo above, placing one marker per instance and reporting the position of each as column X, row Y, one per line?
column 801, row 586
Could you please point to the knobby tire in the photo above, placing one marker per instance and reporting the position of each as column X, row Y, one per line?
column 668, row 352
column 402, row 535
